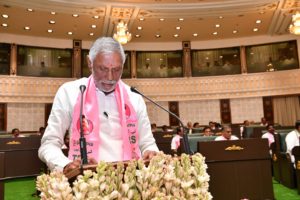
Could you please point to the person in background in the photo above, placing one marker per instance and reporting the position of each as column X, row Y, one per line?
column 116, row 124
column 292, row 140
column 226, row 134
column 189, row 127
column 196, row 125
column 41, row 131
column 242, row 128
column 263, row 121
column 270, row 134
column 16, row 133
column 207, row 131
column 212, row 125
column 153, row 127
column 175, row 143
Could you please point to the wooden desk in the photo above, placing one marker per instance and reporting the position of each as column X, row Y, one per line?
column 296, row 153
column 242, row 172
column 19, row 158
column 163, row 141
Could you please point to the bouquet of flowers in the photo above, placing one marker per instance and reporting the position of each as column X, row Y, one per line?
column 164, row 178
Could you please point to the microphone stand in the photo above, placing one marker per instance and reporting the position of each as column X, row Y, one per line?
column 186, row 145
column 82, row 141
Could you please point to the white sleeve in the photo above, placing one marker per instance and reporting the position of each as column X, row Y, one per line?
column 173, row 143
column 290, row 145
column 146, row 139
column 53, row 139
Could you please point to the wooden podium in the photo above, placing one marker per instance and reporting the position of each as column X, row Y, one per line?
column 238, row 169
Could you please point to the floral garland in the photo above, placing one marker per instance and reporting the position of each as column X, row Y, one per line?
column 165, row 178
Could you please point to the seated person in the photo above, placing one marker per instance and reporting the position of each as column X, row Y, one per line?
column 292, row 140
column 207, row 131
column 175, row 143
column 263, row 121
column 153, row 127
column 196, row 125
column 226, row 134
column 41, row 131
column 270, row 134
column 189, row 127
column 242, row 128
column 16, row 133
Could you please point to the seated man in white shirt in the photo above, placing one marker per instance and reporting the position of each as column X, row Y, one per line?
column 226, row 134
column 270, row 134
column 292, row 140
column 175, row 143
column 116, row 124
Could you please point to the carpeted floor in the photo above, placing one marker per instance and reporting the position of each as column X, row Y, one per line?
column 22, row 189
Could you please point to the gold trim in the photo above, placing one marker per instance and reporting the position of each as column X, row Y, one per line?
column 298, row 165
column 234, row 148
column 13, row 142
column 167, row 136
column 274, row 157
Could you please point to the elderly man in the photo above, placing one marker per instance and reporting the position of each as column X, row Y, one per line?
column 115, row 121
column 226, row 134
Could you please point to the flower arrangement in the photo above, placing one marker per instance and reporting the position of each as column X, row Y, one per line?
column 164, row 178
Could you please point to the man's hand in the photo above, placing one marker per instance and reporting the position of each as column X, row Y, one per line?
column 149, row 154
column 76, row 164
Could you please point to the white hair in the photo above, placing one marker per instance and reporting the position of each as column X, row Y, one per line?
column 106, row 45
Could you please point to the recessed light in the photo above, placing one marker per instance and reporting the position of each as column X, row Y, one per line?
column 258, row 21
column 180, row 19
column 176, row 35
column 75, row 15
column 215, row 33
column 93, row 26
column 70, row 33
column 53, row 13
column 29, row 9
column 137, row 36
column 4, row 15
column 51, row 22
column 139, row 28
column 262, row 12
column 255, row 29
column 157, row 36
column 178, row 27
column 141, row 19
column 161, row 19
column 91, row 34
column 221, row 57
column 221, row 17
column 96, row 17
column 195, row 34
column 217, row 25
column 234, row 31
column 27, row 28
column 50, row 30
column 4, row 25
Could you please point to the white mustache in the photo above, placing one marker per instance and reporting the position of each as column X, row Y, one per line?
column 108, row 82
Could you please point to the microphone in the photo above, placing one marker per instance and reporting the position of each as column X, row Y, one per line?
column 186, row 145
column 82, row 141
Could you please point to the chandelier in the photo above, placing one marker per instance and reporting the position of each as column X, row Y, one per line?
column 122, row 35
column 295, row 26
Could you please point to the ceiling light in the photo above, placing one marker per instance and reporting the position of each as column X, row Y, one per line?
column 51, row 22
column 255, row 29
column 96, row 17
column 91, row 34
column 29, row 9
column 50, row 30
column 75, row 15
column 178, row 27
column 262, row 12
column 195, row 34
column 122, row 35
column 234, row 31
column 4, row 15
column 4, row 25
column 221, row 17
column 27, row 28
column 180, row 19
column 161, row 19
column 157, row 36
column 53, row 13
column 142, row 19
column 137, row 36
column 93, row 26
column 215, row 33
column 176, row 35
column 295, row 25
column 70, row 33
column 139, row 28
column 258, row 21
column 217, row 25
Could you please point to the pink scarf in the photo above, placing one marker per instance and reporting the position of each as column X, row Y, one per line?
column 91, row 123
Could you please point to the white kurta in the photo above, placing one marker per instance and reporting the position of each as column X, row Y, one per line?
column 110, row 149
column 292, row 140
column 221, row 138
